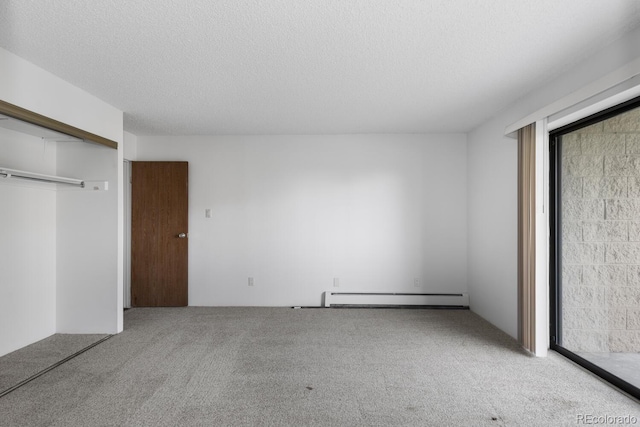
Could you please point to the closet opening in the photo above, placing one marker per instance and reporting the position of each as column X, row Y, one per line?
column 60, row 255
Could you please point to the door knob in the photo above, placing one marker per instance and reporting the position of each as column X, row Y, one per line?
column 182, row 235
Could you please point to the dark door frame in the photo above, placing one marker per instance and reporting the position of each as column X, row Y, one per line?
column 555, row 240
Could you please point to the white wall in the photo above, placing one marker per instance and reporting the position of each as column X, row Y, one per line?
column 28, row 249
column 130, row 146
column 492, row 179
column 294, row 212
column 28, row 86
column 86, row 287
column 492, row 226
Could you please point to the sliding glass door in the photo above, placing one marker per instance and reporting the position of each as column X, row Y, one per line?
column 596, row 256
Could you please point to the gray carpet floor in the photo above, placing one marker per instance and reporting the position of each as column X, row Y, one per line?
column 22, row 364
column 335, row 367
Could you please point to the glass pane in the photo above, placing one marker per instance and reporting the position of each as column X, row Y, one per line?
column 600, row 244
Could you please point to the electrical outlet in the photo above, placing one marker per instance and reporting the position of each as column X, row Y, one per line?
column 207, row 213
column 336, row 282
column 250, row 281
column 416, row 282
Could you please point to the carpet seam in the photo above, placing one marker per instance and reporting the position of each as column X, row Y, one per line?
column 52, row 367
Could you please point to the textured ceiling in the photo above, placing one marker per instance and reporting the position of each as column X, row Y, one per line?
column 309, row 67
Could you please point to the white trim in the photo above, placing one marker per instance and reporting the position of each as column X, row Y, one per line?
column 127, row 234
column 599, row 86
column 542, row 239
column 615, row 96
column 394, row 298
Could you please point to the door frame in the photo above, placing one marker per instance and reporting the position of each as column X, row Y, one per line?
column 555, row 240
column 127, row 234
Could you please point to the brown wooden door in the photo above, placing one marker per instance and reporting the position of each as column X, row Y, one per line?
column 159, row 234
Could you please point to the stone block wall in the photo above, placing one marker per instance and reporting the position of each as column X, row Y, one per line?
column 601, row 236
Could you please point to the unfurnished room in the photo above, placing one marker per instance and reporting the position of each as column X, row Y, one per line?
column 340, row 213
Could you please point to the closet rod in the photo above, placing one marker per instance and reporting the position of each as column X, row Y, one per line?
column 13, row 173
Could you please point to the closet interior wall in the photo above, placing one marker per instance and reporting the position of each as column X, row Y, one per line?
column 28, row 250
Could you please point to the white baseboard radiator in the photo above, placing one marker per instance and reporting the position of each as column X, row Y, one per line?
column 383, row 299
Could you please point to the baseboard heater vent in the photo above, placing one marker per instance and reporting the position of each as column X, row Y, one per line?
column 345, row 298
